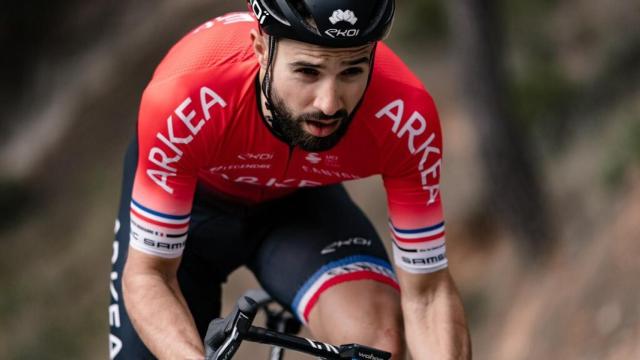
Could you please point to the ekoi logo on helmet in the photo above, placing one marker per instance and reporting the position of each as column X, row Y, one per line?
column 346, row 15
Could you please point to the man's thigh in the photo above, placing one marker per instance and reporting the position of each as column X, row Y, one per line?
column 322, row 257
column 362, row 312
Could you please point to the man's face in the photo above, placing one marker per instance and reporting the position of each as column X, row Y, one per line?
column 315, row 89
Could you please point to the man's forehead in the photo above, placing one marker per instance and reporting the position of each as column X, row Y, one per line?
column 299, row 51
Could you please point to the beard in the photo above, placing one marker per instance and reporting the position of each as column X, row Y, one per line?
column 290, row 126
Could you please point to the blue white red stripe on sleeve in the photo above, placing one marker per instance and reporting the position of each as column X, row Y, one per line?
column 421, row 250
column 156, row 233
column 417, row 235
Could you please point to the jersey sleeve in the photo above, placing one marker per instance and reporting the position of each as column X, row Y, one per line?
column 166, row 174
column 180, row 127
column 411, row 173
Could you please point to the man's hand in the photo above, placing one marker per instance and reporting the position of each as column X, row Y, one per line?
column 157, row 308
column 435, row 325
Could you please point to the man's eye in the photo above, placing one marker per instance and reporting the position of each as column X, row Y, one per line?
column 307, row 71
column 352, row 71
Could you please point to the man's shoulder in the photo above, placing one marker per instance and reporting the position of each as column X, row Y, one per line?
column 395, row 89
column 400, row 114
column 214, row 63
column 391, row 74
column 217, row 44
column 395, row 92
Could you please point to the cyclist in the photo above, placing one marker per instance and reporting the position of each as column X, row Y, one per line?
column 245, row 132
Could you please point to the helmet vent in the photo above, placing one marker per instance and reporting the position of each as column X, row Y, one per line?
column 305, row 14
column 274, row 10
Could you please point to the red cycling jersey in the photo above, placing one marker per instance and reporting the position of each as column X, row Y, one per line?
column 200, row 122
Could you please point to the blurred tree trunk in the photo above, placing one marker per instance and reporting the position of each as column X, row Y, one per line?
column 515, row 197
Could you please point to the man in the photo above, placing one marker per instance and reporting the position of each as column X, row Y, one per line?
column 244, row 134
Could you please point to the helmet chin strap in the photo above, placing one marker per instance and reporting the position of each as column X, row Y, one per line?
column 266, row 83
column 266, row 86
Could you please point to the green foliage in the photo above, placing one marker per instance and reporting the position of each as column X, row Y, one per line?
column 421, row 21
column 12, row 299
column 520, row 9
column 623, row 154
column 541, row 94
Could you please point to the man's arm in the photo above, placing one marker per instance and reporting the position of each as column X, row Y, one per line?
column 435, row 324
column 157, row 308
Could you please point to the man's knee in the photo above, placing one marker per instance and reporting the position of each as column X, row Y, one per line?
column 390, row 340
column 365, row 312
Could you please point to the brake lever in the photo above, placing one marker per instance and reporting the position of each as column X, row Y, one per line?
column 224, row 336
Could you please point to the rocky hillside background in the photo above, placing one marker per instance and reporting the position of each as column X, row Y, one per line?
column 72, row 76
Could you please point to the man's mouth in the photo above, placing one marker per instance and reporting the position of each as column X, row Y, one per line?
column 321, row 128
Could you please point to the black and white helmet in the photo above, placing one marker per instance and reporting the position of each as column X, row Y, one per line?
column 330, row 23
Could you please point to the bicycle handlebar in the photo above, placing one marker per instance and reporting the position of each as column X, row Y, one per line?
column 224, row 336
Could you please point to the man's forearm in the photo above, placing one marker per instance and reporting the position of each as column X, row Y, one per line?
column 161, row 317
column 435, row 324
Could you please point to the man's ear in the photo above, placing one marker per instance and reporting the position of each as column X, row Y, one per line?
column 260, row 48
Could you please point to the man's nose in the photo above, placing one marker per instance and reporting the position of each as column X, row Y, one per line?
column 327, row 99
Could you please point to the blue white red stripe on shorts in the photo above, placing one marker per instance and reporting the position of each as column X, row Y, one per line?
column 337, row 272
